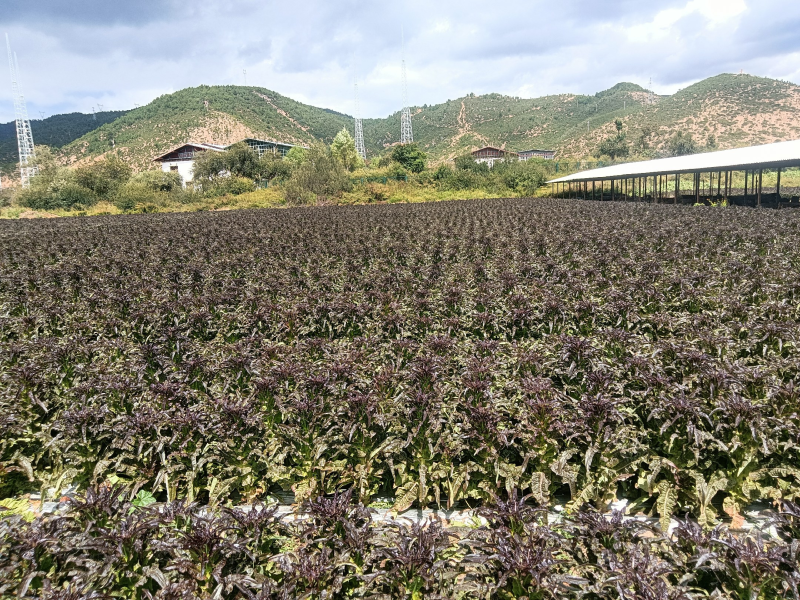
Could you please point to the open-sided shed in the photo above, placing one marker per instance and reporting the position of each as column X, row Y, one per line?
column 662, row 180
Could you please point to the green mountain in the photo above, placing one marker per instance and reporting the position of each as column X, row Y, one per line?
column 726, row 111
column 55, row 131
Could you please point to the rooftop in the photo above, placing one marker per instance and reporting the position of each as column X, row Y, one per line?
column 769, row 156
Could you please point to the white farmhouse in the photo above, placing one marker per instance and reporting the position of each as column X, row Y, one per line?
column 181, row 159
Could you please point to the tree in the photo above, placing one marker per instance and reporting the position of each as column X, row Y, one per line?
column 320, row 177
column 410, row 156
column 343, row 148
column 643, row 141
column 104, row 177
column 467, row 162
column 682, row 144
column 615, row 147
column 212, row 169
column 209, row 167
column 618, row 125
column 54, row 187
column 242, row 161
column 296, row 156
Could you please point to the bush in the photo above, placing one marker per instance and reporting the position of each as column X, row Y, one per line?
column 442, row 173
column 236, row 186
column 137, row 193
column 410, row 156
column 397, row 171
column 59, row 192
column 522, row 177
column 682, row 144
column 160, row 181
column 468, row 163
column 614, row 147
column 105, row 176
column 320, row 177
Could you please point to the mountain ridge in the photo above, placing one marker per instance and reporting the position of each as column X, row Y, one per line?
column 722, row 111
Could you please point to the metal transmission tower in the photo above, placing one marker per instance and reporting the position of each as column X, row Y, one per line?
column 406, row 132
column 361, row 150
column 24, row 134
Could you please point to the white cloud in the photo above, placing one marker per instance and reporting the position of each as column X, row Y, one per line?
column 715, row 13
column 71, row 61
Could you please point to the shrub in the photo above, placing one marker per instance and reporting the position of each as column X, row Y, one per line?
column 104, row 177
column 137, row 193
column 160, row 181
column 56, row 190
column 614, row 147
column 467, row 162
column 682, row 144
column 410, row 156
column 320, row 177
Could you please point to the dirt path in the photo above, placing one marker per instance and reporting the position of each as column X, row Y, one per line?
column 464, row 127
column 281, row 112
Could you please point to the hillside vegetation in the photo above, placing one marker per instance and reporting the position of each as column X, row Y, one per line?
column 55, row 131
column 728, row 110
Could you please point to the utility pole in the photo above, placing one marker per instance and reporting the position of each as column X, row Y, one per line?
column 361, row 150
column 406, row 132
column 27, row 152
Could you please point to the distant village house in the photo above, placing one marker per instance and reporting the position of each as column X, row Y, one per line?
column 491, row 155
column 545, row 154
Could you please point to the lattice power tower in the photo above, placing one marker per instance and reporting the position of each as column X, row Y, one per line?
column 24, row 133
column 361, row 149
column 406, row 132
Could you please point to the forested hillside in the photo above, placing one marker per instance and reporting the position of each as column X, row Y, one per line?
column 724, row 111
column 55, row 131
column 218, row 114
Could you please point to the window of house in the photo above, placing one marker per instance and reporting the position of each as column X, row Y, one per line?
column 173, row 167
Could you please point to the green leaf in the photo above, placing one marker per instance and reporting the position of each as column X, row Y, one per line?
column 666, row 503
column 143, row 499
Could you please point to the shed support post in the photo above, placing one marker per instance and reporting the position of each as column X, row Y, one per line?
column 593, row 189
column 760, row 184
column 745, row 186
column 697, row 188
column 677, row 187
column 778, row 188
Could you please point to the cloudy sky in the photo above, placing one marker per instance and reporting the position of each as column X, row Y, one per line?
column 76, row 54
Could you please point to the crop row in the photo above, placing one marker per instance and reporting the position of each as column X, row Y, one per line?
column 434, row 353
column 107, row 547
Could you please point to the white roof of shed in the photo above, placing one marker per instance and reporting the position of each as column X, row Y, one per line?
column 769, row 156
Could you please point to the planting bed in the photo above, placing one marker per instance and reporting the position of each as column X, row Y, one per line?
column 445, row 354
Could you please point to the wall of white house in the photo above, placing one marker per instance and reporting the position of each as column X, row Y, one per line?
column 489, row 161
column 185, row 168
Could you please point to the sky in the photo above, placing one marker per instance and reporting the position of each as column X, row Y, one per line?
column 74, row 55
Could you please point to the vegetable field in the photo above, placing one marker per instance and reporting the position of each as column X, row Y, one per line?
column 450, row 354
